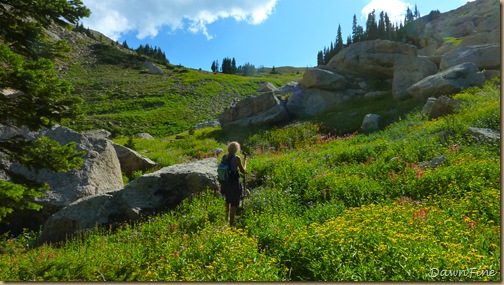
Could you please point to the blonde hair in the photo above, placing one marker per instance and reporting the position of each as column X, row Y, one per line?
column 233, row 147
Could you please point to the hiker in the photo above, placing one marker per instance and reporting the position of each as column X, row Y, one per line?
column 233, row 189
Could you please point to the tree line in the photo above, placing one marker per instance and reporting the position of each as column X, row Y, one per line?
column 376, row 28
column 228, row 66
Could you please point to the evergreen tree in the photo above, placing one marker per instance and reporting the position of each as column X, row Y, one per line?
column 233, row 66
column 371, row 27
column 409, row 17
column 248, row 69
column 274, row 71
column 357, row 31
column 348, row 40
column 339, row 41
column 320, row 58
column 125, row 44
column 27, row 65
column 381, row 26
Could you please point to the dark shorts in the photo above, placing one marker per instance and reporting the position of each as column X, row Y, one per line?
column 233, row 192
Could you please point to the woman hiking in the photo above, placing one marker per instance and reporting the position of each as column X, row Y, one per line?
column 232, row 189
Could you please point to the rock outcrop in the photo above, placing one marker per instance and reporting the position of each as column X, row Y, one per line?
column 475, row 23
column 408, row 70
column 310, row 102
column 100, row 172
column 448, row 82
column 153, row 68
column 444, row 54
column 323, row 79
column 131, row 160
column 374, row 59
column 484, row 134
column 259, row 110
column 370, row 123
column 442, row 106
column 267, row 87
column 486, row 56
column 154, row 192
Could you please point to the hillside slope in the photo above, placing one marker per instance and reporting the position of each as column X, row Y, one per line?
column 122, row 97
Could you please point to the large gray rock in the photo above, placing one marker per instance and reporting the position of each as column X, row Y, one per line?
column 484, row 134
column 373, row 59
column 212, row 124
column 100, row 172
column 290, row 87
column 101, row 133
column 263, row 109
column 448, row 82
column 323, row 79
column 131, row 160
column 426, row 109
column 311, row 102
column 370, row 123
column 443, row 106
column 484, row 56
column 153, row 68
column 408, row 70
column 144, row 136
column 154, row 192
column 267, row 87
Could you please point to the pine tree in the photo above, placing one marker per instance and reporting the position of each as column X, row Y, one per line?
column 248, row 69
column 233, row 66
column 409, row 17
column 320, row 58
column 348, row 40
column 27, row 65
column 381, row 26
column 371, row 27
column 357, row 31
column 339, row 41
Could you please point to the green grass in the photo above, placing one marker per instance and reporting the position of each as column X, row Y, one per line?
column 451, row 40
column 323, row 207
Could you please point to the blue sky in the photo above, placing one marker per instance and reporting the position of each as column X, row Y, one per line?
column 261, row 32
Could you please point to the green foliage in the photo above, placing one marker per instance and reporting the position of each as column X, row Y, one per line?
column 28, row 37
column 453, row 41
column 41, row 98
column 112, row 55
column 46, row 98
column 16, row 197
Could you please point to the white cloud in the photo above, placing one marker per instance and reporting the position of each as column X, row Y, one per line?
column 395, row 9
column 146, row 17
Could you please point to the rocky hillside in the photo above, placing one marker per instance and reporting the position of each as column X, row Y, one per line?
column 442, row 55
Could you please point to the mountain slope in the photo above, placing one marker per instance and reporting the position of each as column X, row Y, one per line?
column 122, row 97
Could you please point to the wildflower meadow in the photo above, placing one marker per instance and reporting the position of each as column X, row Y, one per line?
column 323, row 207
